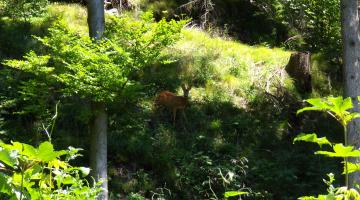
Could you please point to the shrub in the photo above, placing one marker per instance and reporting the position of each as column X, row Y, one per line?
column 34, row 173
column 23, row 9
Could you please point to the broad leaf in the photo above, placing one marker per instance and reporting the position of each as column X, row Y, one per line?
column 84, row 170
column 341, row 151
column 349, row 193
column 351, row 116
column 339, row 105
column 352, row 167
column 6, row 158
column 68, row 180
column 4, row 186
column 335, row 106
column 317, row 104
column 312, row 138
column 234, row 193
column 25, row 149
column 46, row 152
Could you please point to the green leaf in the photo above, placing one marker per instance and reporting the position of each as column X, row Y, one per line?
column 25, row 149
column 6, row 158
column 68, row 180
column 312, row 138
column 84, row 170
column 307, row 198
column 346, row 104
column 352, row 167
column 234, row 193
column 351, row 116
column 349, row 193
column 341, row 151
column 4, row 186
column 340, row 105
column 46, row 152
column 317, row 105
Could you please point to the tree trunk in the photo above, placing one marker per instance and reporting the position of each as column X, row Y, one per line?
column 96, row 18
column 98, row 149
column 299, row 69
column 351, row 45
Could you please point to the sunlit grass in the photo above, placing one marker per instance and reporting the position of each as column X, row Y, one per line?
column 73, row 14
column 238, row 67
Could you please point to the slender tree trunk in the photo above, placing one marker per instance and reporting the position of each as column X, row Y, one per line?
column 98, row 149
column 96, row 18
column 351, row 59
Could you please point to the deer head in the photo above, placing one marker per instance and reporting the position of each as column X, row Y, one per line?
column 172, row 101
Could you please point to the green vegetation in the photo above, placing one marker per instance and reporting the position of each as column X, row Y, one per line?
column 233, row 140
column 22, row 9
column 39, row 173
column 338, row 108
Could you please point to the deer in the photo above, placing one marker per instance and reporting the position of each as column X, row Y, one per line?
column 172, row 101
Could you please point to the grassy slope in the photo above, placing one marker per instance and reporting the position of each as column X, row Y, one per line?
column 73, row 14
column 256, row 65
column 228, row 112
column 237, row 66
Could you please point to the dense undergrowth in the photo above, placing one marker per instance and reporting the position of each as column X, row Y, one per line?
column 236, row 134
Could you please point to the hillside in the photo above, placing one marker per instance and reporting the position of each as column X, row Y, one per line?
column 236, row 134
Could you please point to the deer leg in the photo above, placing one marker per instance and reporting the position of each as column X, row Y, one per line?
column 174, row 115
column 184, row 115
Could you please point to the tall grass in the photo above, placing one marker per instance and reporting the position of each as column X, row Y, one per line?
column 73, row 14
column 237, row 68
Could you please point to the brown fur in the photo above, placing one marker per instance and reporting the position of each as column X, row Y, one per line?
column 173, row 102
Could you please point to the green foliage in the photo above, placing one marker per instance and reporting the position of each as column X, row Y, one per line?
column 338, row 108
column 317, row 20
column 335, row 193
column 312, row 138
column 99, row 70
column 216, row 175
column 326, row 75
column 341, row 151
column 229, row 115
column 234, row 194
column 34, row 173
column 351, row 167
column 223, row 68
column 22, row 9
column 135, row 196
column 74, row 15
column 143, row 40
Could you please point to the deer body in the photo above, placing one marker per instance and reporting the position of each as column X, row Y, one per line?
column 172, row 101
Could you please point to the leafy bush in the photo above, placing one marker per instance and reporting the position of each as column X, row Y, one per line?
column 27, row 172
column 22, row 9
column 208, row 175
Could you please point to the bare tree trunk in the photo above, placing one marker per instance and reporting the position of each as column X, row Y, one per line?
column 98, row 149
column 351, row 45
column 96, row 18
column 98, row 125
column 299, row 68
